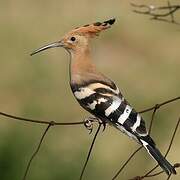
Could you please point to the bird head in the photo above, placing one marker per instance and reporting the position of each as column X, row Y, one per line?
column 78, row 38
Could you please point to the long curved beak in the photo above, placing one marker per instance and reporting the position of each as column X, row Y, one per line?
column 48, row 46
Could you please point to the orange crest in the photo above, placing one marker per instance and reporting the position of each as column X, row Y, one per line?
column 92, row 30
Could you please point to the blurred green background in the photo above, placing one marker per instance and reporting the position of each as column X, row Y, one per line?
column 142, row 56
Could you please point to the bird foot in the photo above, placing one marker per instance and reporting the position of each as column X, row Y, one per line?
column 88, row 123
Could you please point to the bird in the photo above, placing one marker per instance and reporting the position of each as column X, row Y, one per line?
column 98, row 94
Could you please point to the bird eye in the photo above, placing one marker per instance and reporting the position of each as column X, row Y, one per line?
column 73, row 38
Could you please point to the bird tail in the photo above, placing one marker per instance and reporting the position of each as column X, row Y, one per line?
column 156, row 154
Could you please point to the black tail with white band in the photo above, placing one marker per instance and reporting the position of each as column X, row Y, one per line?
column 156, row 154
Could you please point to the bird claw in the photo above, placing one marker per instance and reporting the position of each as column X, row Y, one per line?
column 88, row 123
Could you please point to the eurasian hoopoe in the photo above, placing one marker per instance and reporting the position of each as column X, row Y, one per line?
column 98, row 94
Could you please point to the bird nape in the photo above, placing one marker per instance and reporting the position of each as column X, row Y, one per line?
column 99, row 95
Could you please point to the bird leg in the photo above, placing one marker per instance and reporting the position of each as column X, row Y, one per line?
column 103, row 123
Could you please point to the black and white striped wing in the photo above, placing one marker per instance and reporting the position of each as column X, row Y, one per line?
column 106, row 103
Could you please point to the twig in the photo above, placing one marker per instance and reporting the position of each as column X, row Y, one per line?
column 49, row 123
column 89, row 152
column 173, row 136
column 157, row 106
column 170, row 9
column 152, row 118
column 39, row 121
column 80, row 122
column 127, row 161
column 169, row 177
column 152, row 11
column 176, row 165
column 36, row 151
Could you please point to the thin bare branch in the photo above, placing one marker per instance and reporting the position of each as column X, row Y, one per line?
column 169, row 177
column 165, row 20
column 127, row 161
column 176, row 165
column 152, row 175
column 39, row 121
column 157, row 106
column 90, row 151
column 81, row 122
column 173, row 136
column 160, row 13
column 170, row 9
column 36, row 151
column 155, row 174
column 152, row 119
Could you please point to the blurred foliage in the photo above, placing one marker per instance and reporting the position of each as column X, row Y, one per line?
column 142, row 56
